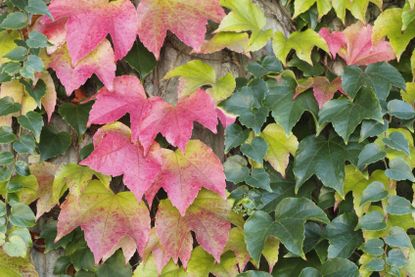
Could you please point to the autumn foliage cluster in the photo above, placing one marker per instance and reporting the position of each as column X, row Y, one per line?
column 319, row 149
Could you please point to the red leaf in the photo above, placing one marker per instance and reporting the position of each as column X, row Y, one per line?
column 109, row 221
column 175, row 123
column 335, row 40
column 114, row 154
column 128, row 96
column 183, row 174
column 89, row 22
column 358, row 48
column 207, row 218
column 186, row 19
column 100, row 62
column 323, row 89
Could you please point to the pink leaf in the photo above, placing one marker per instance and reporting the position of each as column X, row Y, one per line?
column 109, row 221
column 100, row 62
column 114, row 154
column 355, row 45
column 183, row 174
column 128, row 96
column 175, row 123
column 335, row 40
column 186, row 19
column 89, row 22
column 207, row 218
column 324, row 90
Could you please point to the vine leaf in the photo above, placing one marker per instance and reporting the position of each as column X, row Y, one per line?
column 335, row 40
column 389, row 24
column 89, row 22
column 280, row 146
column 323, row 89
column 207, row 217
column 45, row 175
column 302, row 42
column 345, row 115
column 128, row 96
column 114, row 154
column 175, row 123
column 99, row 62
column 13, row 266
column 355, row 45
column 324, row 158
column 201, row 264
column 186, row 19
column 286, row 111
column 244, row 16
column 290, row 216
column 109, row 221
column 184, row 173
column 301, row 6
column 196, row 74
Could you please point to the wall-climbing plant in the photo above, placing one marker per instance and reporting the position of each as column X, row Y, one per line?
column 319, row 149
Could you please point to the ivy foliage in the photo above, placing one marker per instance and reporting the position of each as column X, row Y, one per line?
column 317, row 177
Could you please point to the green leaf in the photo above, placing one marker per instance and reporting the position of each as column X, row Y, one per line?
column 389, row 23
column 286, row 111
column 396, row 258
column 302, row 42
column 201, row 264
column 398, row 238
column 7, row 135
column 25, row 144
column 17, row 54
column 379, row 76
column 52, row 143
column 375, row 264
column 342, row 236
column 408, row 16
column 247, row 104
column 398, row 205
column 309, row 272
column 339, row 267
column 324, row 158
column 37, row 40
column 254, row 273
column 374, row 247
column 397, row 141
column 371, row 153
column 32, row 121
column 8, row 106
column 196, row 74
column 22, row 215
column 235, row 135
column 400, row 109
column 14, row 21
column 6, row 158
column 32, row 65
column 374, row 192
column 255, row 150
column 346, row 115
column 115, row 266
column 236, row 169
column 301, row 6
column 267, row 65
column 290, row 217
column 76, row 115
column 142, row 60
column 372, row 128
column 15, row 247
column 38, row 7
column 399, row 170
column 372, row 221
column 259, row 178
column 38, row 91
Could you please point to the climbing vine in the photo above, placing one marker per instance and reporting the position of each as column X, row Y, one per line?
column 317, row 174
